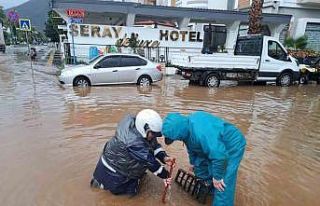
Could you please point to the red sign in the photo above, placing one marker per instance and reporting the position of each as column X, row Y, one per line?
column 76, row 13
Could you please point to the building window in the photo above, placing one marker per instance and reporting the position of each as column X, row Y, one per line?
column 313, row 34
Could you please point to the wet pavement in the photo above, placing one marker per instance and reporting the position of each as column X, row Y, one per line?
column 51, row 137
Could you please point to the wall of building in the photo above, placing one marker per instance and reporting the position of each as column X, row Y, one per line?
column 207, row 4
column 305, row 22
column 223, row 4
column 197, row 3
column 149, row 2
column 179, row 3
column 301, row 13
column 243, row 4
column 172, row 3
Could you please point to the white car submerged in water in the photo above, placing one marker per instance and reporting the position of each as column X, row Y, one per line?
column 113, row 69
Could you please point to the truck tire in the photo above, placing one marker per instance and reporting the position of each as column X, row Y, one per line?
column 212, row 80
column 285, row 79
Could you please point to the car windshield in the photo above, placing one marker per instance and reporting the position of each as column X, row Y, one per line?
column 94, row 59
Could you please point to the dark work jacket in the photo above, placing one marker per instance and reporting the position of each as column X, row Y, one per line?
column 130, row 154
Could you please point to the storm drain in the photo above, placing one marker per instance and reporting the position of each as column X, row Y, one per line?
column 194, row 186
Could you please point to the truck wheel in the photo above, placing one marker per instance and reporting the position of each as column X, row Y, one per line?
column 212, row 80
column 285, row 79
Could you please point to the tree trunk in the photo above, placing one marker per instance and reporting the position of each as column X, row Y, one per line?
column 255, row 17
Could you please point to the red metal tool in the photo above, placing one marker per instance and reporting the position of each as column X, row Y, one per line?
column 167, row 186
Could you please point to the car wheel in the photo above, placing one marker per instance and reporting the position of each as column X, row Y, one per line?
column 212, row 80
column 144, row 81
column 303, row 80
column 285, row 79
column 81, row 82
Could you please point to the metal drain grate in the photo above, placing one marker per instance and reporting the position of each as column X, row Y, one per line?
column 196, row 187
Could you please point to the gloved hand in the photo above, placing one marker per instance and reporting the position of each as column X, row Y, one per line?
column 167, row 182
column 169, row 161
column 219, row 184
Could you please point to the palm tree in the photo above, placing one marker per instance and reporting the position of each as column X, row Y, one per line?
column 296, row 44
column 255, row 17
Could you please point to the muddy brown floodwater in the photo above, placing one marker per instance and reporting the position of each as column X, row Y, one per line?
column 51, row 138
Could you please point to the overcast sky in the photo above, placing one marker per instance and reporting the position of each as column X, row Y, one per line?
column 10, row 3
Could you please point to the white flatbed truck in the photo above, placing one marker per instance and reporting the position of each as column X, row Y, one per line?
column 255, row 58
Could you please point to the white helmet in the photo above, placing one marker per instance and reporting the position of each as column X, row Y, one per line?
column 148, row 119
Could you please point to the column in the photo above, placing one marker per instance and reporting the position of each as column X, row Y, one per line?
column 130, row 19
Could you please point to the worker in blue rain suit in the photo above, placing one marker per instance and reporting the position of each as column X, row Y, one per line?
column 215, row 149
column 133, row 150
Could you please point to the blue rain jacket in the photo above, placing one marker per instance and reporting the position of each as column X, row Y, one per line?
column 215, row 148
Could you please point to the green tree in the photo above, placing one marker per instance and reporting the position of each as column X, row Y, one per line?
column 296, row 44
column 255, row 17
column 51, row 30
column 133, row 42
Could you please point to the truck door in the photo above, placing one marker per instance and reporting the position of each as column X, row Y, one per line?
column 273, row 60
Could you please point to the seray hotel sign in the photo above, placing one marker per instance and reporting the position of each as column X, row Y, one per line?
column 147, row 37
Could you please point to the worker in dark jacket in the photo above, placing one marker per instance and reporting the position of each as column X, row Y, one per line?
column 132, row 151
column 215, row 149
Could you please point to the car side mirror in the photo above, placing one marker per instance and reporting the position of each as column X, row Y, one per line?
column 97, row 66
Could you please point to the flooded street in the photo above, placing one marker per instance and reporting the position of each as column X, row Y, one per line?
column 51, row 137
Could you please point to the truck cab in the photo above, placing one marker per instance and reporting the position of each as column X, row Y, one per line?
column 275, row 62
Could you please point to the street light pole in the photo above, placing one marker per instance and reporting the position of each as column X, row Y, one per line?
column 29, row 50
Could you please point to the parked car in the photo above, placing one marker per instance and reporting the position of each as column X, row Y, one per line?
column 113, row 69
column 310, row 71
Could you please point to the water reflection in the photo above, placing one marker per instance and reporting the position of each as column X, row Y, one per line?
column 51, row 137
column 81, row 91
